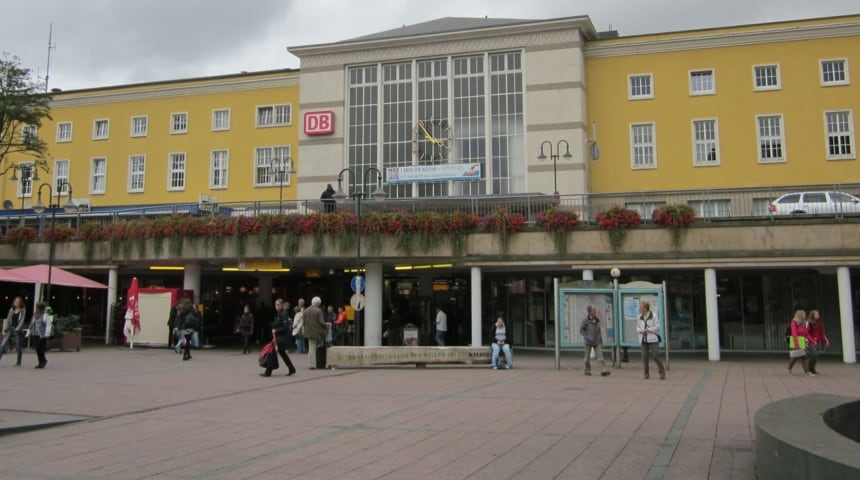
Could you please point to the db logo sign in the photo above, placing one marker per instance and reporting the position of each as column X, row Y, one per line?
column 319, row 123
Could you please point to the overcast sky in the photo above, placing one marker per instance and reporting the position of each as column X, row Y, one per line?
column 112, row 42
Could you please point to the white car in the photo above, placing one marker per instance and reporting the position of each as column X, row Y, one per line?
column 815, row 203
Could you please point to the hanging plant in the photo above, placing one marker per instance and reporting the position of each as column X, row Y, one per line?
column 505, row 224
column 617, row 220
column 558, row 223
column 89, row 233
column 21, row 236
column 677, row 218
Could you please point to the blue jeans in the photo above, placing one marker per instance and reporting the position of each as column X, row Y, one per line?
column 506, row 349
column 301, row 345
column 440, row 338
column 19, row 344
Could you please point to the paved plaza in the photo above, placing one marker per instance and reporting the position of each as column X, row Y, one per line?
column 146, row 414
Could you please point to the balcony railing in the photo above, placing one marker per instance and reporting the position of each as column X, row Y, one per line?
column 710, row 205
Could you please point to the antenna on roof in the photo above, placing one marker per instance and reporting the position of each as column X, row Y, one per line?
column 51, row 46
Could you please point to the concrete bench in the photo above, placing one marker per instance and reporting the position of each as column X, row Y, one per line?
column 419, row 356
column 808, row 437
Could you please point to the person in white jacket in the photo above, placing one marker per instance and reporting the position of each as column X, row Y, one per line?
column 648, row 328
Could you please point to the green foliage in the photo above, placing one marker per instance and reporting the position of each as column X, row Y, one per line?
column 23, row 102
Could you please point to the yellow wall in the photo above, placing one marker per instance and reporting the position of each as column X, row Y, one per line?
column 802, row 102
column 240, row 93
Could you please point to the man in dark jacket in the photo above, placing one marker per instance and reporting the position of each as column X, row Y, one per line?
column 281, row 332
column 315, row 329
column 327, row 198
column 592, row 336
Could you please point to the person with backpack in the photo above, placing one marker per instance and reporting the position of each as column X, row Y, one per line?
column 797, row 342
column 817, row 339
column 189, row 322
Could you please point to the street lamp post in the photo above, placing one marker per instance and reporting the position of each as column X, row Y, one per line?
column 279, row 166
column 29, row 173
column 39, row 208
column 358, row 196
column 554, row 155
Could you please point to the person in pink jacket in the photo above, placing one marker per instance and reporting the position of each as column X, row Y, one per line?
column 817, row 339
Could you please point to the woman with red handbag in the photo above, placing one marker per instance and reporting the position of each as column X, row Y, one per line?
column 281, row 333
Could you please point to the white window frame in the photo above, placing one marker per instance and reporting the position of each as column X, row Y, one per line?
column 25, row 184
column 174, row 170
column 756, row 77
column 136, row 173
column 272, row 115
column 771, row 138
column 263, row 175
column 847, row 134
column 61, row 176
column 215, row 168
column 631, row 95
column 60, row 127
column 634, row 145
column 715, row 208
column 691, row 74
column 29, row 131
column 136, row 122
column 215, row 126
column 178, row 123
column 98, row 179
column 98, row 134
column 714, row 143
column 833, row 83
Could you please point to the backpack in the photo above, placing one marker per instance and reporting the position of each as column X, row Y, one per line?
column 788, row 334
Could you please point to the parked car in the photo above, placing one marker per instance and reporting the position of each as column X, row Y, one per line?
column 815, row 203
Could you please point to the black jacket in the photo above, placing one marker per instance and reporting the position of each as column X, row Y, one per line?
column 283, row 327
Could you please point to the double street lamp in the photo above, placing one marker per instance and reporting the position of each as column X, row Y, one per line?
column 554, row 155
column 39, row 208
column 375, row 175
column 280, row 167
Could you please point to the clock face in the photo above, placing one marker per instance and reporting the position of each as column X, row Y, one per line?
column 432, row 139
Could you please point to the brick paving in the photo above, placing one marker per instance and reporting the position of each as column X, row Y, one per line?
column 145, row 414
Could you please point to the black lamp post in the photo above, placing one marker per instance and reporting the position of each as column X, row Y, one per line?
column 553, row 155
column 279, row 166
column 358, row 196
column 29, row 173
column 39, row 208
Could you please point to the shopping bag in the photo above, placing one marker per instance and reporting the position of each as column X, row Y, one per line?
column 268, row 358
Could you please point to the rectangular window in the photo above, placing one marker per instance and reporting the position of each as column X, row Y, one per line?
column 28, row 133
column 840, row 135
column 766, row 77
column 771, row 139
column 274, row 115
column 64, row 132
column 706, row 145
column 179, row 123
column 761, row 207
column 702, row 82
column 712, row 208
column 221, row 119
column 176, row 172
column 272, row 166
column 138, row 126
column 834, row 72
column 25, row 180
column 643, row 146
column 645, row 209
column 61, row 177
column 136, row 173
column 98, row 175
column 640, row 86
column 101, row 129
column 218, row 170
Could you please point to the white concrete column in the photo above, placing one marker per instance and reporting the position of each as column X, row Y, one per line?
column 113, row 286
column 712, row 314
column 475, row 284
column 846, row 315
column 588, row 275
column 373, row 305
column 191, row 281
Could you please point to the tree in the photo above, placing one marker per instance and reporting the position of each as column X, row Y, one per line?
column 23, row 106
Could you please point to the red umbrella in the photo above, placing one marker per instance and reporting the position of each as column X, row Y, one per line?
column 132, row 312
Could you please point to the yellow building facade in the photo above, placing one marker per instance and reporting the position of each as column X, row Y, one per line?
column 223, row 139
column 748, row 106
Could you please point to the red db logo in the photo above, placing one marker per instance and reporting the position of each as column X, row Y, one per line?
column 319, row 123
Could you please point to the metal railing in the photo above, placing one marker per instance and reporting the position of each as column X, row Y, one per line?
column 710, row 204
